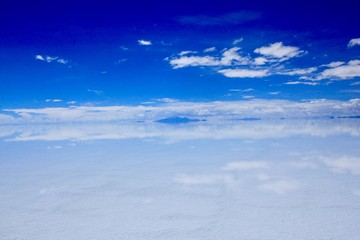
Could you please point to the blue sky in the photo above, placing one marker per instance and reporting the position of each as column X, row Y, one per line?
column 60, row 53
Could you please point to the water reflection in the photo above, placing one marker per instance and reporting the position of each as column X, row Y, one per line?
column 235, row 180
column 175, row 132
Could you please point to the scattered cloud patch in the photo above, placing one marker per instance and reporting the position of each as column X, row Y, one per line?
column 120, row 61
column 210, row 49
column 243, row 73
column 354, row 42
column 333, row 64
column 229, row 57
column 260, row 61
column 274, row 93
column 279, row 51
column 144, row 42
column 237, row 41
column 193, row 61
column 182, row 53
column 293, row 72
column 53, row 100
column 50, row 59
column 342, row 72
column 167, row 100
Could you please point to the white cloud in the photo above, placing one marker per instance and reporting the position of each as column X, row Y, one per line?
column 236, row 41
column 62, row 61
column 248, row 96
column 193, row 61
column 353, row 42
column 120, row 61
column 280, row 186
column 333, row 64
column 260, row 61
column 50, row 59
column 210, row 49
column 182, row 53
column 39, row 57
column 301, row 82
column 343, row 72
column 355, row 84
column 245, row 165
column 97, row 92
column 274, row 93
column 243, row 73
column 144, row 42
column 279, row 51
column 167, row 100
column 229, row 57
column 53, row 100
column 298, row 71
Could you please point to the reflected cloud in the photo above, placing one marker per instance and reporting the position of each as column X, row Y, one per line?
column 342, row 164
column 245, row 165
column 280, row 186
column 248, row 130
column 211, row 111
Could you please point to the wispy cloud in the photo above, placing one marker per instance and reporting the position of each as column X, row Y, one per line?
column 210, row 49
column 237, row 41
column 354, row 42
column 50, row 59
column 297, row 71
column 144, row 42
column 301, row 83
column 97, row 92
column 53, row 100
column 226, row 19
column 333, row 64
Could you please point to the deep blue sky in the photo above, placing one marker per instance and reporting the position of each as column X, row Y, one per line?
column 90, row 52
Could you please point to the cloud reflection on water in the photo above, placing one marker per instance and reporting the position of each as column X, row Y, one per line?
column 263, row 129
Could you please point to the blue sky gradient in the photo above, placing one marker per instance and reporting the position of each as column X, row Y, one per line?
column 109, row 53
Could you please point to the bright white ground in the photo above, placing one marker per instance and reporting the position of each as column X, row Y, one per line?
column 241, row 180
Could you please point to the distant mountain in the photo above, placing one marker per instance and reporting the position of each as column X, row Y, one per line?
column 176, row 120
